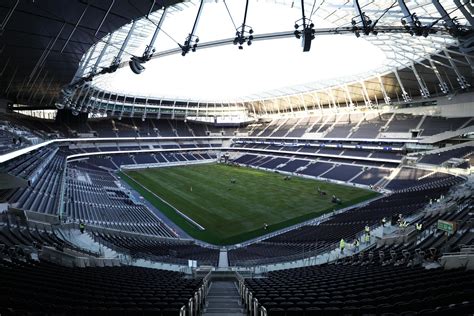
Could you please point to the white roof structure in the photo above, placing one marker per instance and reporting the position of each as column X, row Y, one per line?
column 274, row 66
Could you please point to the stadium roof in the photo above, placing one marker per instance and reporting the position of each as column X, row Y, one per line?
column 275, row 66
column 46, row 41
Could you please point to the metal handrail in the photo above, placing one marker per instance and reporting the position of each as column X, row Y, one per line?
column 198, row 300
column 252, row 306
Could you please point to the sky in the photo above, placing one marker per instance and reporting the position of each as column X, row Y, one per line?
column 226, row 73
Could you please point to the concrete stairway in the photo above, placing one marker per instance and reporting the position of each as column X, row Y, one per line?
column 223, row 299
column 223, row 259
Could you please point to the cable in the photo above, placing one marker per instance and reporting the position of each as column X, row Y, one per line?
column 164, row 32
column 393, row 4
column 230, row 15
column 448, row 13
column 313, row 12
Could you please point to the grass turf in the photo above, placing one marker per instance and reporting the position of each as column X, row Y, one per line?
column 235, row 212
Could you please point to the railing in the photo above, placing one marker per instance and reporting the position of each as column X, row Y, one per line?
column 252, row 306
column 197, row 301
column 315, row 254
column 62, row 191
column 313, row 222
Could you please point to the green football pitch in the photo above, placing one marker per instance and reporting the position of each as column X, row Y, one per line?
column 233, row 203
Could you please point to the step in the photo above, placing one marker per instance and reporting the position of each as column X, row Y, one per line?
column 224, row 310
column 222, row 298
column 220, row 313
column 223, row 292
column 227, row 304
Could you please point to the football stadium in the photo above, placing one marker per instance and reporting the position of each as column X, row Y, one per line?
column 236, row 157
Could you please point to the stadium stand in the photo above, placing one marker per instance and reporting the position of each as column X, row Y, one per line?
column 337, row 289
column 83, row 232
column 439, row 158
column 159, row 249
column 92, row 290
column 311, row 239
column 93, row 196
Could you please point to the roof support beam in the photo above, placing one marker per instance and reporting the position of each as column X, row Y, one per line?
column 386, row 98
column 40, row 85
column 7, row 90
column 459, row 77
column 446, row 18
column 363, row 18
column 425, row 93
column 101, row 55
column 75, row 27
column 46, row 52
column 149, row 50
column 405, row 95
column 192, row 37
column 118, row 58
column 407, row 15
column 365, row 94
column 105, row 16
column 44, row 92
column 442, row 84
column 348, row 95
column 462, row 5
column 84, row 97
column 79, row 93
column 84, row 63
column 8, row 16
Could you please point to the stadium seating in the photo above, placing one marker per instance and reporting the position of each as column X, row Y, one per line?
column 93, row 196
column 336, row 183
column 434, row 125
column 43, row 195
column 439, row 158
column 45, row 288
column 313, row 239
column 161, row 250
column 357, row 290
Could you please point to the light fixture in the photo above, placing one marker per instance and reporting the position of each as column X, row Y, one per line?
column 244, row 32
column 306, row 33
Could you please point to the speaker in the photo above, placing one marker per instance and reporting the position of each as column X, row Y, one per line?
column 307, row 38
column 136, row 66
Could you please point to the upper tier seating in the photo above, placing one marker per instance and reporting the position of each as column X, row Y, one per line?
column 8, row 142
column 434, row 125
column 402, row 123
column 329, row 168
column 439, row 158
column 369, row 128
column 27, row 165
column 43, row 195
column 411, row 177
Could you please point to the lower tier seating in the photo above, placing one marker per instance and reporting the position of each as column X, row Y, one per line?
column 310, row 240
column 363, row 290
column 174, row 251
column 42, row 288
